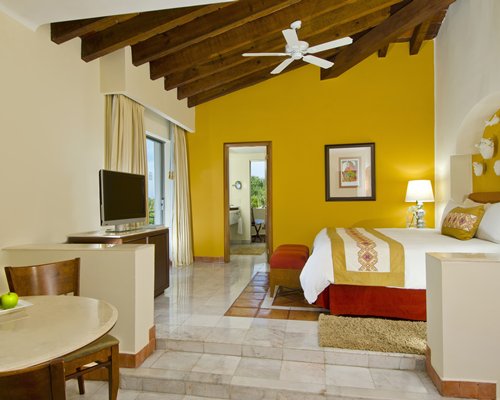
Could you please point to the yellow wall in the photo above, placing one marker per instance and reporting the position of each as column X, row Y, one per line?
column 488, row 181
column 388, row 101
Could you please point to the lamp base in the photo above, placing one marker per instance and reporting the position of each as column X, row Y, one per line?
column 417, row 216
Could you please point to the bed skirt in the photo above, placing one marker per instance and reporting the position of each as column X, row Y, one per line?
column 374, row 301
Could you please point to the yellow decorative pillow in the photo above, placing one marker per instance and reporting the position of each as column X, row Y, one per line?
column 462, row 223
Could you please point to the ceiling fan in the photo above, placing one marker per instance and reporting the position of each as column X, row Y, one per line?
column 296, row 49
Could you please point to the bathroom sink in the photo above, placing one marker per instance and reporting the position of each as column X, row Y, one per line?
column 234, row 216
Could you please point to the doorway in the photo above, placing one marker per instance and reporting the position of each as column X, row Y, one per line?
column 247, row 198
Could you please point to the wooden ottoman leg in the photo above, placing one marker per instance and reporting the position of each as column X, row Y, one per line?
column 273, row 283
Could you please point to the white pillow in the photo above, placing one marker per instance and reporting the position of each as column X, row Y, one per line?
column 489, row 228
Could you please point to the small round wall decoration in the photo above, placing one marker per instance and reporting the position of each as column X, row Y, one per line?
column 238, row 185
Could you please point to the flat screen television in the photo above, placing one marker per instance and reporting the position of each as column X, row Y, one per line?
column 122, row 198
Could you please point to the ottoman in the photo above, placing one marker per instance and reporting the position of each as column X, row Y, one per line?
column 286, row 265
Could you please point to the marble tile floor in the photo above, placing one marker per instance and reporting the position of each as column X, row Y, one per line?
column 95, row 390
column 201, row 352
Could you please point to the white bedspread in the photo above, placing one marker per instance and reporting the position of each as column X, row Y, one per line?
column 317, row 274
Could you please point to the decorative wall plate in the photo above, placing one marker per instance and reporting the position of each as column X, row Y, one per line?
column 486, row 148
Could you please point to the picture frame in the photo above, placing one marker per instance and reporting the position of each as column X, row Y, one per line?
column 350, row 172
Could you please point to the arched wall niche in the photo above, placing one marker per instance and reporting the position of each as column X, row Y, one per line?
column 472, row 127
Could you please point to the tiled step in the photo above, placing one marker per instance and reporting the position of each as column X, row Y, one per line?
column 329, row 356
column 242, row 378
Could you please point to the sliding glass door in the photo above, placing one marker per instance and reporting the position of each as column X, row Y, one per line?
column 156, row 181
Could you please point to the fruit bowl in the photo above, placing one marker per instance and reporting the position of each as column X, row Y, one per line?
column 20, row 305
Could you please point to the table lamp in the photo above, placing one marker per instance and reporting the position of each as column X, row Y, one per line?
column 419, row 191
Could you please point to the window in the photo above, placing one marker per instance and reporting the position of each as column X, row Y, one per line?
column 258, row 184
column 156, row 180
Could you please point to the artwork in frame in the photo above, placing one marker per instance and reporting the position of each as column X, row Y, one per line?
column 350, row 171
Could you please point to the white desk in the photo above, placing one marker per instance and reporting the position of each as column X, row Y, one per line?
column 52, row 327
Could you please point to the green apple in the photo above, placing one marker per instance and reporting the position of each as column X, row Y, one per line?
column 9, row 300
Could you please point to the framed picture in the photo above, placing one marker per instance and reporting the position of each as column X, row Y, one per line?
column 350, row 171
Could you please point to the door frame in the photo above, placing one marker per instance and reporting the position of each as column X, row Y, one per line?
column 269, row 197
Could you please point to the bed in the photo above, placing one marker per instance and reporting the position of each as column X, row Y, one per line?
column 408, row 300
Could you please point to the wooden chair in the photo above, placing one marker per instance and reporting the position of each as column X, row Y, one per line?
column 257, row 224
column 64, row 278
column 41, row 382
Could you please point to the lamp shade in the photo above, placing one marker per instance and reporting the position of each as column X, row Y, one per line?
column 419, row 190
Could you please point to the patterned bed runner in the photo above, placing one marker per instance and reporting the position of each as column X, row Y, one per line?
column 364, row 256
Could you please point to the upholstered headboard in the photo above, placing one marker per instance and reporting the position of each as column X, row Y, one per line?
column 485, row 197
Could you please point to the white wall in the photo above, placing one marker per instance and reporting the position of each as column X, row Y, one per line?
column 119, row 75
column 51, row 139
column 52, row 136
column 467, row 82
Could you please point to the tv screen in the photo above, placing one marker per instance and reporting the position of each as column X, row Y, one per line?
column 122, row 197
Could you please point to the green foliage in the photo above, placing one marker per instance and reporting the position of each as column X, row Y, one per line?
column 257, row 192
column 151, row 211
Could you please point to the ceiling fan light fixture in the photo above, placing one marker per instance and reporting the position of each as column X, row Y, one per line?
column 297, row 49
column 296, row 24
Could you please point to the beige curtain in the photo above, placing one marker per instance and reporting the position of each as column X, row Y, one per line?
column 125, row 146
column 182, row 245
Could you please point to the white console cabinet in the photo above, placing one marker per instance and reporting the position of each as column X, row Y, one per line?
column 463, row 323
column 122, row 275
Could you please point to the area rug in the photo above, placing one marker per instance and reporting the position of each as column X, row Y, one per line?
column 249, row 249
column 373, row 334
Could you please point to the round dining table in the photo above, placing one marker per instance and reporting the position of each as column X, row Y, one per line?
column 42, row 328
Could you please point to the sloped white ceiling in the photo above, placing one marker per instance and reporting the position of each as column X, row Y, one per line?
column 34, row 13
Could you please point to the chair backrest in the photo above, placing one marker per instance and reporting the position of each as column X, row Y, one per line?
column 252, row 216
column 62, row 277
column 42, row 382
column 258, row 220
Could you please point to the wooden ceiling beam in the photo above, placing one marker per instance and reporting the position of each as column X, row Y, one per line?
column 240, row 39
column 223, row 20
column 61, row 32
column 407, row 17
column 244, row 66
column 141, row 27
column 323, row 30
column 241, row 83
column 234, row 76
column 406, row 37
column 383, row 51
column 418, row 37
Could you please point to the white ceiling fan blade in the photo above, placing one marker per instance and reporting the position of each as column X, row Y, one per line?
column 291, row 37
column 329, row 45
column 282, row 66
column 264, row 54
column 318, row 61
